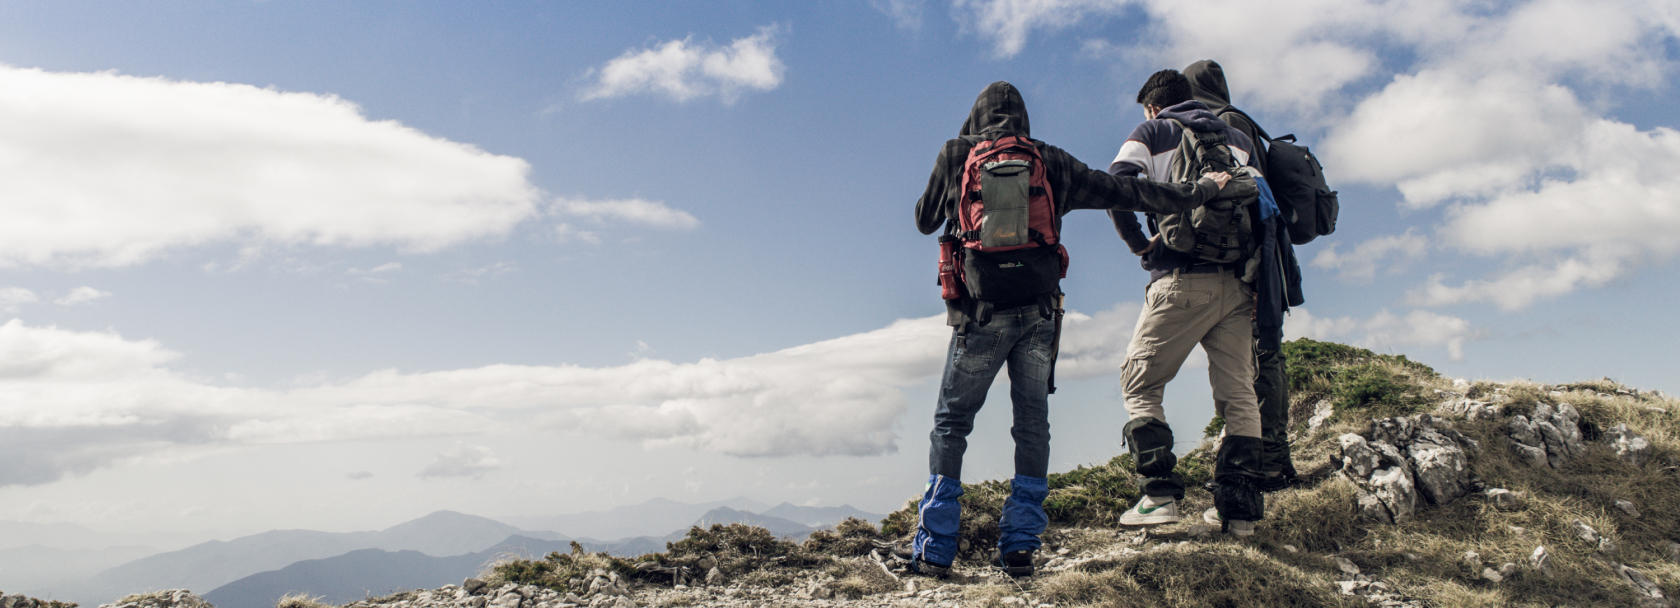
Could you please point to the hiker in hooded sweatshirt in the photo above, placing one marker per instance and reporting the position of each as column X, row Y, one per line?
column 1277, row 289
column 1191, row 300
column 1001, row 302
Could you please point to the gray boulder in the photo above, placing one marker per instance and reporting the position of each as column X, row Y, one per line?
column 1628, row 445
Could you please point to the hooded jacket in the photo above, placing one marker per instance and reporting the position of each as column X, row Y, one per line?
column 1279, row 285
column 1001, row 112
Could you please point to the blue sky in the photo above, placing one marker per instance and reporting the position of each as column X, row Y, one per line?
column 541, row 257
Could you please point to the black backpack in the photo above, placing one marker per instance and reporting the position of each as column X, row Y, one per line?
column 1305, row 200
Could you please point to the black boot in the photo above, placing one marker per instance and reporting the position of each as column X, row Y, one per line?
column 1151, row 441
column 1236, row 473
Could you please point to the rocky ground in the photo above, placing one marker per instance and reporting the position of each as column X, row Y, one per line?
column 1415, row 490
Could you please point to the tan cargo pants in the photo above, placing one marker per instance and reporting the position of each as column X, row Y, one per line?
column 1214, row 309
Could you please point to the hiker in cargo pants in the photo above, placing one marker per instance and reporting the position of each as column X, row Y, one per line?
column 1189, row 301
column 987, row 335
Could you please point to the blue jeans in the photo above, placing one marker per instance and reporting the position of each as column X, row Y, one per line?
column 1020, row 337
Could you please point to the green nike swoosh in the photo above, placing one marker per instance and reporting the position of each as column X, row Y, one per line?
column 1145, row 511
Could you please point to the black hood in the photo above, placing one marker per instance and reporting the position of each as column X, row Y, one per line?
column 999, row 110
column 1207, row 85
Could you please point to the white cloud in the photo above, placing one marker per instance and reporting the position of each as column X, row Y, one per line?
column 462, row 461
column 838, row 396
column 1361, row 264
column 634, row 210
column 1009, row 22
column 684, row 69
column 906, row 14
column 13, row 297
column 101, row 169
column 80, row 295
column 1095, row 345
column 1439, row 135
column 74, row 401
column 1520, row 287
column 1384, row 330
column 472, row 275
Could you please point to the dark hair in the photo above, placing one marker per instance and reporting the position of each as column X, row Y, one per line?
column 1164, row 89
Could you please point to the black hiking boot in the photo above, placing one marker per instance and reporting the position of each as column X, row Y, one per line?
column 1016, row 564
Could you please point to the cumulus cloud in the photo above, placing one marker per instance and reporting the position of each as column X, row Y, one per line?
column 634, row 211
column 906, row 14
column 1385, row 330
column 684, row 69
column 73, row 401
column 462, row 461
column 81, row 295
column 1008, row 23
column 1361, row 263
column 1441, row 134
column 102, row 169
column 13, row 297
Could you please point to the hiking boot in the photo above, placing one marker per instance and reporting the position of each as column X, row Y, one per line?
column 1015, row 563
column 1235, row 527
column 1151, row 510
column 930, row 569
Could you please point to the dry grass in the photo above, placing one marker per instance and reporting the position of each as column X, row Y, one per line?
column 1208, row 575
column 300, row 600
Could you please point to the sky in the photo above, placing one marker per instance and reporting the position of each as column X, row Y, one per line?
column 304, row 264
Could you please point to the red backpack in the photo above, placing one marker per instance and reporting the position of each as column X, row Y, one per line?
column 1005, row 226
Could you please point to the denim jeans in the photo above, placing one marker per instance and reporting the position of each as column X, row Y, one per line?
column 1020, row 337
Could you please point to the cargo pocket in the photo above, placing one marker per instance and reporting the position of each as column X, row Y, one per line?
column 1189, row 300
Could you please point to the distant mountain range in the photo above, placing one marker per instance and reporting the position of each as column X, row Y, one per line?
column 655, row 517
column 216, row 563
column 371, row 572
column 441, row 548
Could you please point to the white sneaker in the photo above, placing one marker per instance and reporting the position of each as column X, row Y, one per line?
column 1151, row 510
column 1238, row 527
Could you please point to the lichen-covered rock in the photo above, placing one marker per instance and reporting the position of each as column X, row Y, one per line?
column 1441, row 466
column 1394, row 488
column 1628, row 445
column 1650, row 593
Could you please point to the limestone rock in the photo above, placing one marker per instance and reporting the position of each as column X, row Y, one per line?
column 1441, row 466
column 1628, row 445
column 1585, row 532
column 1492, row 575
column 1535, row 456
column 1626, row 506
column 1542, row 561
column 1504, row 499
column 1321, row 414
column 1651, row 592
column 1345, row 565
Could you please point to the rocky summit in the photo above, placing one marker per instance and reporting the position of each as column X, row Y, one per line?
column 1413, row 490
